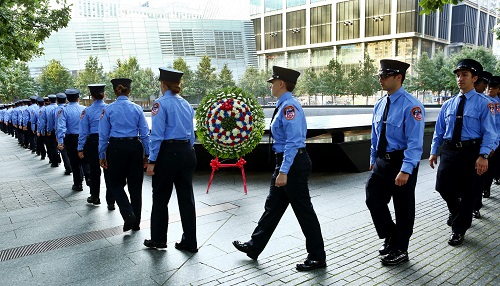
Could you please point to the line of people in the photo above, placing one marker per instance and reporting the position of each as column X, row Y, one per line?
column 116, row 138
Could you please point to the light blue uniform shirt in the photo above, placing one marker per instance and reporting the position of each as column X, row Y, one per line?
column 122, row 118
column 33, row 115
column 69, row 121
column 89, row 123
column 171, row 118
column 8, row 115
column 42, row 120
column 49, row 114
column 289, row 129
column 404, row 128
column 13, row 115
column 57, row 113
column 20, row 115
column 496, row 101
column 478, row 122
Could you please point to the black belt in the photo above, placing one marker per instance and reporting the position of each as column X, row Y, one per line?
column 122, row 138
column 72, row 135
column 462, row 144
column 397, row 155
column 173, row 141
column 299, row 151
column 93, row 136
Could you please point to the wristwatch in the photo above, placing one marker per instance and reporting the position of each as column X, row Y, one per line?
column 485, row 156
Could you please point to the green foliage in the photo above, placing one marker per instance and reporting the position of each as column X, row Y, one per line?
column 125, row 69
column 180, row 65
column 308, row 83
column 255, row 82
column 214, row 122
column 205, row 78
column 146, row 84
column 54, row 78
column 225, row 78
column 16, row 82
column 429, row 6
column 363, row 80
column 332, row 80
column 92, row 74
column 25, row 24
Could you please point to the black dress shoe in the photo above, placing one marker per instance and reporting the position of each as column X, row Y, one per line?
column 54, row 165
column 77, row 188
column 67, row 172
column 111, row 207
column 456, row 239
column 476, row 214
column 309, row 265
column 151, row 244
column 244, row 247
column 451, row 218
column 93, row 200
column 129, row 222
column 486, row 193
column 182, row 246
column 497, row 181
column 386, row 247
column 136, row 227
column 395, row 257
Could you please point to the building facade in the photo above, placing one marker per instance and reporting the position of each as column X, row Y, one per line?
column 309, row 33
column 155, row 35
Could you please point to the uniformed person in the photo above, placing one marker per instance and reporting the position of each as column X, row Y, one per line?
column 172, row 161
column 68, row 129
column 466, row 128
column 494, row 161
column 45, row 117
column 33, row 117
column 122, row 153
column 40, row 134
column 289, row 183
column 480, row 86
column 52, row 125
column 395, row 152
column 88, row 143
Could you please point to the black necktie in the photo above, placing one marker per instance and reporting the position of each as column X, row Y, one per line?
column 459, row 121
column 271, row 133
column 382, row 141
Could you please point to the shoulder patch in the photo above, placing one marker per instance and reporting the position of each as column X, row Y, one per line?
column 491, row 107
column 289, row 112
column 497, row 107
column 83, row 114
column 416, row 112
column 59, row 113
column 155, row 109
column 102, row 114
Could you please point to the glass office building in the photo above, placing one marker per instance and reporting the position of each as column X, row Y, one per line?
column 309, row 33
column 155, row 35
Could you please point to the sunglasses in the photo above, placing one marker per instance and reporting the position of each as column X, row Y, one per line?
column 384, row 76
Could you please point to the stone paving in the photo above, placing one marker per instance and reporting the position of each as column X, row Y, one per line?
column 55, row 238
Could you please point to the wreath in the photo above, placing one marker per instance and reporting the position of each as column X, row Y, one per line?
column 229, row 123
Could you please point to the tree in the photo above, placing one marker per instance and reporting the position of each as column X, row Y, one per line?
column 225, row 78
column 16, row 82
column 332, row 80
column 363, row 79
column 255, row 82
column 54, row 78
column 146, row 85
column 429, row 6
column 93, row 73
column 25, row 24
column 180, row 65
column 124, row 69
column 308, row 83
column 204, row 81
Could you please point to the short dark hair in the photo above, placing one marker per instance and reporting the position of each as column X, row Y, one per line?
column 99, row 95
column 289, row 86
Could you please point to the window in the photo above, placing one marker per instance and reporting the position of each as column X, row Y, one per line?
column 321, row 24
column 378, row 17
column 257, row 31
column 296, row 28
column 407, row 17
column 348, row 20
column 273, row 26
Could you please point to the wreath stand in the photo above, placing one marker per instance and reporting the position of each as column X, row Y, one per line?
column 216, row 164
